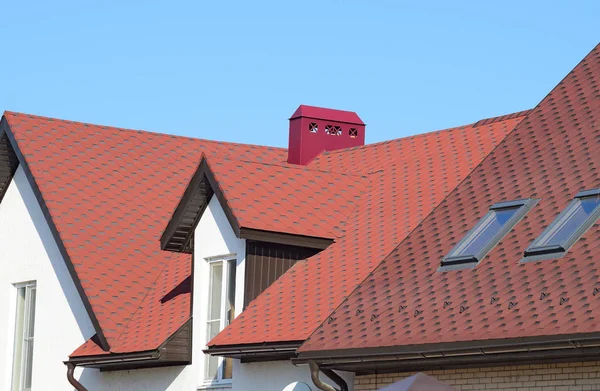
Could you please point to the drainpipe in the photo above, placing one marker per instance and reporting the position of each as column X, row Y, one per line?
column 74, row 382
column 330, row 373
column 314, row 375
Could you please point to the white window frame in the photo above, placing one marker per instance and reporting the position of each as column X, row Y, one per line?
column 17, row 384
column 213, row 261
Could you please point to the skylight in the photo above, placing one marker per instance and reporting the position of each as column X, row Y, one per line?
column 499, row 220
column 569, row 225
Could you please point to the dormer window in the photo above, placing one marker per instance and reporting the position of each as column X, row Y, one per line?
column 568, row 226
column 499, row 220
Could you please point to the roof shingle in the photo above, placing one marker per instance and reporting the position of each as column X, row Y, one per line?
column 550, row 156
column 408, row 178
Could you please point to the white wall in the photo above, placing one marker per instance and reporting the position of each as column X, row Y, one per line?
column 28, row 252
column 155, row 379
column 277, row 375
column 213, row 237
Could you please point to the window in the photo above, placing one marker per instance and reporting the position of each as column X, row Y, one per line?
column 353, row 133
column 23, row 346
column 569, row 225
column 221, row 311
column 500, row 219
column 313, row 127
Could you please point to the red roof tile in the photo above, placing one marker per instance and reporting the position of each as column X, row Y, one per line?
column 110, row 193
column 408, row 178
column 551, row 156
column 289, row 199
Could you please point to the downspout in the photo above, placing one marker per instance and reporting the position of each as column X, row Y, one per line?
column 314, row 375
column 330, row 373
column 74, row 382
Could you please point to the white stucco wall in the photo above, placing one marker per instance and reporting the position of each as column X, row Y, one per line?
column 277, row 375
column 213, row 237
column 28, row 252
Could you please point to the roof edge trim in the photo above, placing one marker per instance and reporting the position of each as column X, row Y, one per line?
column 5, row 129
column 455, row 349
column 285, row 238
column 8, row 163
column 187, row 210
column 266, row 351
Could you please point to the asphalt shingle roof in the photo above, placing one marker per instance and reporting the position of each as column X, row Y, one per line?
column 551, row 156
column 111, row 192
column 408, row 177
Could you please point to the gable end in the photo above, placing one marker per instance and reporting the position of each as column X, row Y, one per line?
column 14, row 157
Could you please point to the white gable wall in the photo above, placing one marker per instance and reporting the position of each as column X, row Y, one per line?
column 213, row 237
column 28, row 252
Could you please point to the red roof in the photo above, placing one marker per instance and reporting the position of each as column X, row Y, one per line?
column 408, row 178
column 110, row 193
column 290, row 199
column 550, row 156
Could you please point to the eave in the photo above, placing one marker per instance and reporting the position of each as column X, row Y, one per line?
column 177, row 350
column 8, row 162
column 535, row 350
column 268, row 351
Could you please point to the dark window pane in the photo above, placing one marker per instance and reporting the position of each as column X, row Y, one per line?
column 231, row 291
column 576, row 215
column 485, row 231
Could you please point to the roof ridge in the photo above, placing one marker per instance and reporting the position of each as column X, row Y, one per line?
column 35, row 116
column 491, row 120
column 500, row 118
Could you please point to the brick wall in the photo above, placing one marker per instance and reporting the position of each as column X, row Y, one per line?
column 548, row 377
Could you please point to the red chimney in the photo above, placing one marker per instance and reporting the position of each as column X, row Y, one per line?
column 316, row 129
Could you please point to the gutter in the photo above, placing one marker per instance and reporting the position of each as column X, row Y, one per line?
column 463, row 353
column 91, row 361
column 256, row 352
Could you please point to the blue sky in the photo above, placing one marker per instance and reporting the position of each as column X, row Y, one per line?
column 236, row 71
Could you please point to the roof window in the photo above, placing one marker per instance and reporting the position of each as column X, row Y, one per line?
column 569, row 225
column 499, row 220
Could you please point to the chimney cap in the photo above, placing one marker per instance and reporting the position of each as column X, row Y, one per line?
column 322, row 113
